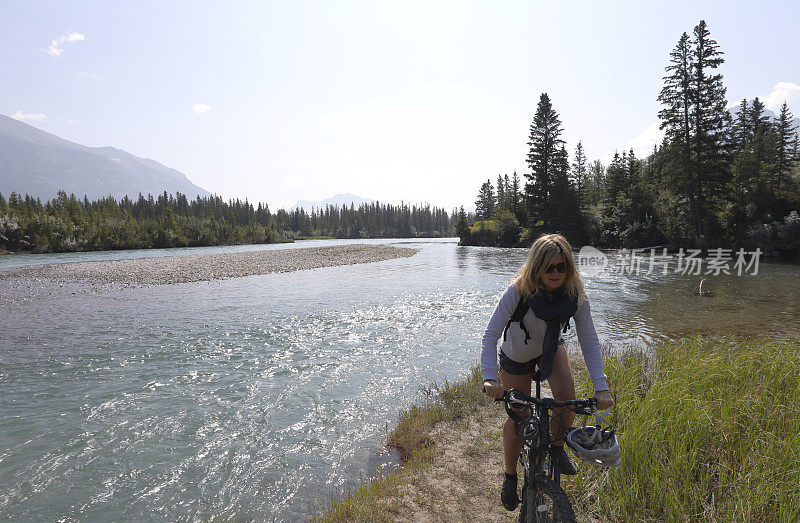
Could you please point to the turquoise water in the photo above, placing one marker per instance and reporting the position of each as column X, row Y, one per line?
column 259, row 397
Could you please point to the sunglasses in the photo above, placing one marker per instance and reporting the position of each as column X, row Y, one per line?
column 560, row 267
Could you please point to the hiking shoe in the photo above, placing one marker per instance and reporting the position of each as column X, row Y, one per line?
column 564, row 464
column 509, row 495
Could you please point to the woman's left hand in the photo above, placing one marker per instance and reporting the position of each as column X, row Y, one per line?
column 604, row 399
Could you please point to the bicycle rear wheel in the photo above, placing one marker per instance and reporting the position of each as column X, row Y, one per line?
column 544, row 501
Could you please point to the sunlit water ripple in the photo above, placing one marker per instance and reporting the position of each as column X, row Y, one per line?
column 259, row 397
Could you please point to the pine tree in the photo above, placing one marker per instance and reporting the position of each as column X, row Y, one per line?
column 697, row 126
column 614, row 180
column 509, row 203
column 580, row 175
column 462, row 227
column 711, row 123
column 565, row 213
column 750, row 169
column 545, row 144
column 795, row 157
column 501, row 194
column 742, row 136
column 759, row 127
column 709, row 114
column 632, row 171
column 485, row 204
column 517, row 206
column 757, row 121
column 676, row 96
column 597, row 177
column 786, row 134
column 634, row 190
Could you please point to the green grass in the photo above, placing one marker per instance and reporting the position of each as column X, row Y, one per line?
column 411, row 438
column 449, row 402
column 709, row 430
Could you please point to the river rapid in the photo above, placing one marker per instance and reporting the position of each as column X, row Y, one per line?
column 260, row 397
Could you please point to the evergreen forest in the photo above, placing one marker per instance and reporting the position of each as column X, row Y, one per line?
column 67, row 223
column 719, row 178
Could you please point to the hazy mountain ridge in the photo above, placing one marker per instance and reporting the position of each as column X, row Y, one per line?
column 38, row 163
column 339, row 199
column 773, row 117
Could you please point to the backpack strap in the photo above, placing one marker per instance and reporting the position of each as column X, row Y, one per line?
column 519, row 315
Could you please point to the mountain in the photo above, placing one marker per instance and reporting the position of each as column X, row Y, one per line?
column 773, row 117
column 41, row 164
column 339, row 199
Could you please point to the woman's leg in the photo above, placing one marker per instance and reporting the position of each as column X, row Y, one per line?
column 512, row 444
column 562, row 383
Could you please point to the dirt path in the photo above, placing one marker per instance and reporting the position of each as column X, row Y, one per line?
column 463, row 481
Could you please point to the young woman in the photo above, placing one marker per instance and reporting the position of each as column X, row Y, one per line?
column 552, row 287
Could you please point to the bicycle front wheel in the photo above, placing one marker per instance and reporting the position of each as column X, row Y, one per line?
column 545, row 501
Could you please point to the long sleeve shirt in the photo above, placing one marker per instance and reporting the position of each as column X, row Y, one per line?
column 522, row 352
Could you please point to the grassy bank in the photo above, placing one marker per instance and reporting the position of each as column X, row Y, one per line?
column 412, row 439
column 708, row 431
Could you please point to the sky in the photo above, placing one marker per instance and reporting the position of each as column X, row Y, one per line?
column 393, row 101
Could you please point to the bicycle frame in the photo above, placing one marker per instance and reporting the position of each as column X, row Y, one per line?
column 532, row 424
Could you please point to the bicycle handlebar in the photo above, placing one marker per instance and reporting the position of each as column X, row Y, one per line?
column 587, row 406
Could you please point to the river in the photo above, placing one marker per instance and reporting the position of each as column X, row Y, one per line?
column 260, row 397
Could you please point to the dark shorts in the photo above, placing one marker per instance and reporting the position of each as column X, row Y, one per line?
column 516, row 368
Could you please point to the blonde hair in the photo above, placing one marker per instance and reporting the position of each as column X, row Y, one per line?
column 542, row 253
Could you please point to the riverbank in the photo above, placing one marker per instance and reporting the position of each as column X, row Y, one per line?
column 206, row 267
column 34, row 283
column 451, row 463
column 707, row 428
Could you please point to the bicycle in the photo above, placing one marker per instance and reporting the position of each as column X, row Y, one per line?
column 543, row 499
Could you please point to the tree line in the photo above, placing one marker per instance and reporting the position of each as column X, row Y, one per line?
column 718, row 178
column 67, row 223
column 368, row 220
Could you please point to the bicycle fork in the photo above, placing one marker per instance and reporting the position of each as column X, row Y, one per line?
column 532, row 460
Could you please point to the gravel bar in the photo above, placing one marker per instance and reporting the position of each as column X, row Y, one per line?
column 208, row 267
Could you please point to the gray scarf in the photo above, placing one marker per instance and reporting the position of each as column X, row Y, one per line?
column 554, row 308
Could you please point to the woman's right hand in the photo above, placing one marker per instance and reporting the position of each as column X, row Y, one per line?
column 493, row 389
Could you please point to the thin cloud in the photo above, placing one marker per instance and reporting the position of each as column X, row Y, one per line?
column 782, row 92
column 201, row 108
column 92, row 76
column 55, row 48
column 29, row 117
